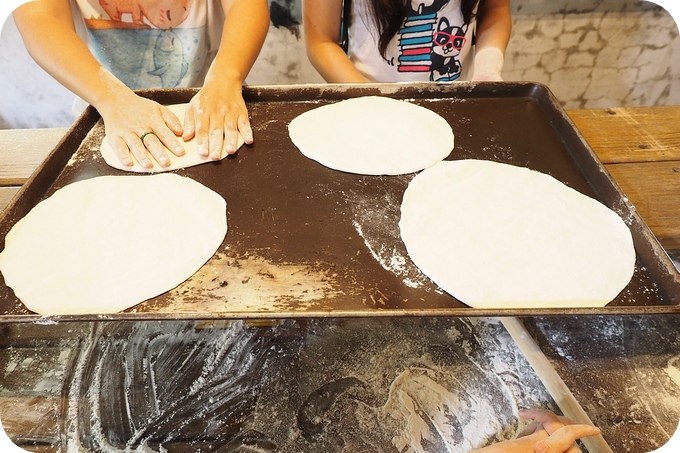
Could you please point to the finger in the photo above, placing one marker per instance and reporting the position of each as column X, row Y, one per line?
column 171, row 120
column 540, row 415
column 564, row 439
column 245, row 129
column 216, row 143
column 548, row 419
column 543, row 415
column 169, row 141
column 530, row 429
column 189, row 124
column 121, row 150
column 230, row 138
column 139, row 151
column 202, row 138
column 566, row 420
column 157, row 150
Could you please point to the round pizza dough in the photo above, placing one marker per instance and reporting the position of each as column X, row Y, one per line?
column 499, row 236
column 372, row 135
column 189, row 159
column 105, row 244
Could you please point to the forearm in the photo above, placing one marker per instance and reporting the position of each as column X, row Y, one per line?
column 49, row 34
column 217, row 114
column 322, row 21
column 494, row 24
column 333, row 64
column 245, row 28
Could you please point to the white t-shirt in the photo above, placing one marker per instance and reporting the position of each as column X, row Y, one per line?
column 433, row 44
column 152, row 43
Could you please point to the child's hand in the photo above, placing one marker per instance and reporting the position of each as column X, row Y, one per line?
column 216, row 116
column 488, row 65
column 140, row 129
column 547, row 433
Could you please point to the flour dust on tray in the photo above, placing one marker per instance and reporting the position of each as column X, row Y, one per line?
column 105, row 244
column 499, row 236
column 376, row 220
column 372, row 135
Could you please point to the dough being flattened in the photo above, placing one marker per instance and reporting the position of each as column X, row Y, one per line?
column 189, row 159
column 372, row 135
column 105, row 244
column 499, row 236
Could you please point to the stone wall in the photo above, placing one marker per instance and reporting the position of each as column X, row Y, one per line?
column 596, row 53
column 590, row 53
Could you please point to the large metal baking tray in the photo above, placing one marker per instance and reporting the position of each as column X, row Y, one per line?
column 308, row 241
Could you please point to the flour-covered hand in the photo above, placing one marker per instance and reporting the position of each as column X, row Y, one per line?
column 141, row 129
column 488, row 65
column 216, row 117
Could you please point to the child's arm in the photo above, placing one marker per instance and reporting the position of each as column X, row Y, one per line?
column 494, row 25
column 48, row 31
column 321, row 20
column 218, row 112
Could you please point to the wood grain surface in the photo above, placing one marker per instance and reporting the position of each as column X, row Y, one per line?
column 633, row 135
column 22, row 150
column 654, row 189
column 640, row 148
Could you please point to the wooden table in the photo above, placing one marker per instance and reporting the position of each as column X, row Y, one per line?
column 640, row 147
column 620, row 368
column 21, row 151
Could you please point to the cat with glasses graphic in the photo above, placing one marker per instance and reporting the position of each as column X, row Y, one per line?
column 448, row 42
column 428, row 42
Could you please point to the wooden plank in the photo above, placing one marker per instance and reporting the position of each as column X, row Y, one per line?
column 654, row 190
column 23, row 150
column 6, row 195
column 642, row 134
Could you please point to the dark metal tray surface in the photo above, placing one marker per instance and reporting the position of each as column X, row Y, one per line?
column 308, row 241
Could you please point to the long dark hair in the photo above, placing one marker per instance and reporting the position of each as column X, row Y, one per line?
column 389, row 15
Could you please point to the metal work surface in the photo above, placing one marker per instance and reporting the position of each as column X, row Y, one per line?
column 625, row 371
column 321, row 385
column 308, row 241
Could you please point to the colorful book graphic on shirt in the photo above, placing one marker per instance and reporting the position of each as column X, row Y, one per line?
column 415, row 43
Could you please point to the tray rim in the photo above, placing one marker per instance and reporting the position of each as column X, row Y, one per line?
column 659, row 310
column 595, row 173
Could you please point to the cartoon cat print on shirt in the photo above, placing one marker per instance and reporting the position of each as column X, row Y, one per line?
column 448, row 42
column 164, row 14
column 427, row 43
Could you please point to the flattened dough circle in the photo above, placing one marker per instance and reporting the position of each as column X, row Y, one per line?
column 189, row 159
column 372, row 135
column 105, row 244
column 499, row 236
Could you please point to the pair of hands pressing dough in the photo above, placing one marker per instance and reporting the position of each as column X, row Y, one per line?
column 139, row 130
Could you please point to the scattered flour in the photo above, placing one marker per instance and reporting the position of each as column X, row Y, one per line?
column 673, row 370
column 376, row 220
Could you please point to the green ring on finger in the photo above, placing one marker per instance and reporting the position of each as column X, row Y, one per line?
column 145, row 134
